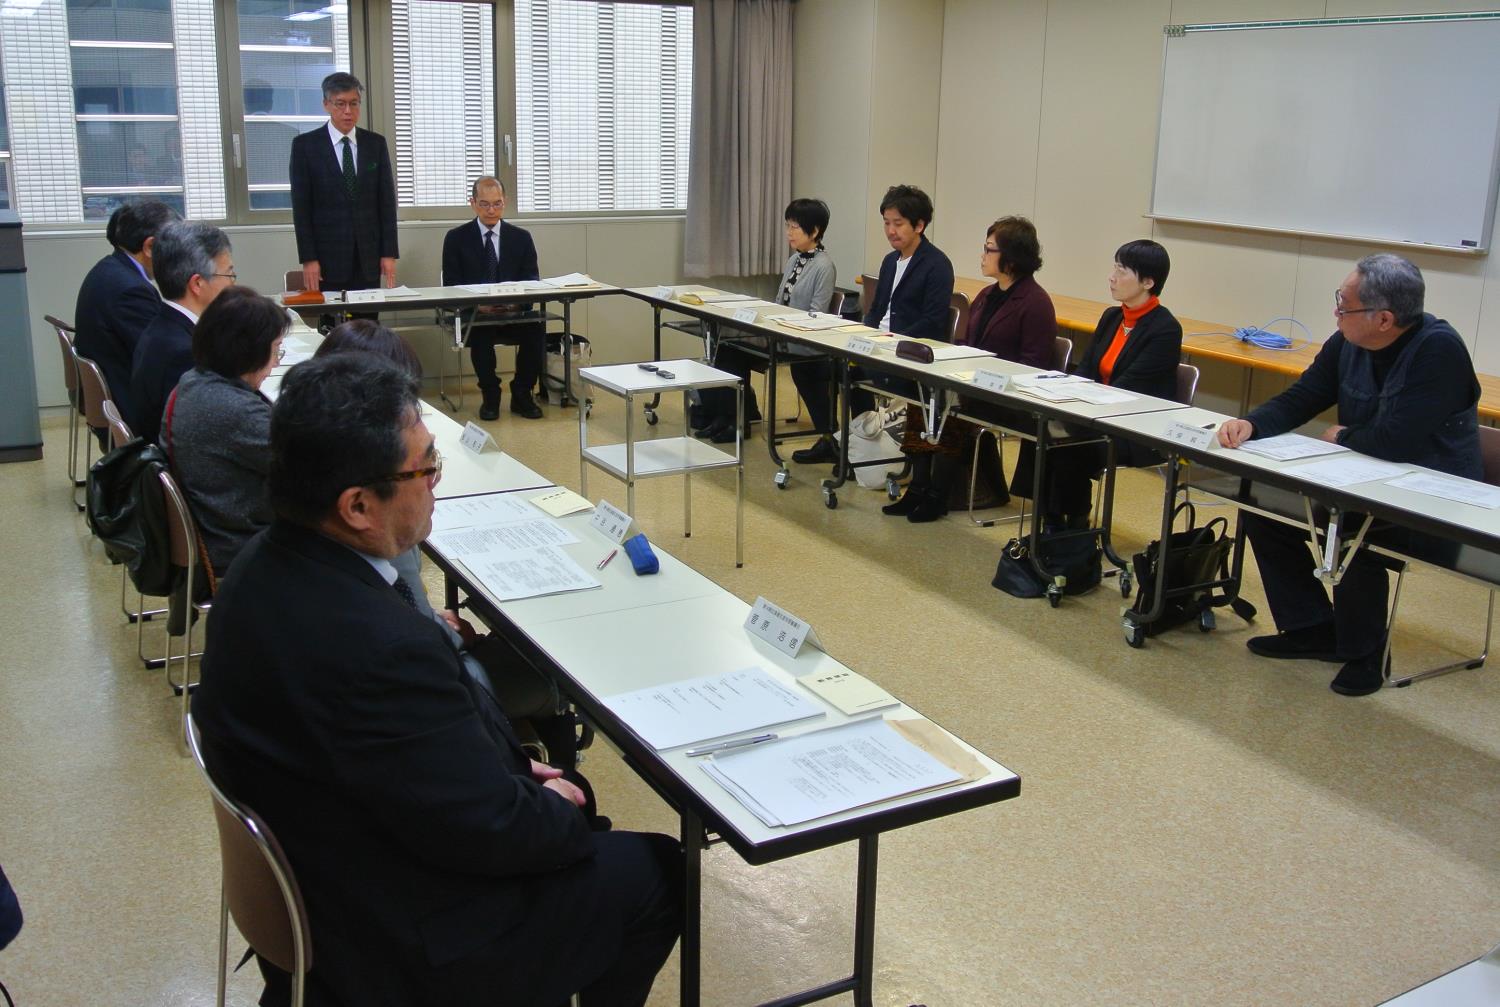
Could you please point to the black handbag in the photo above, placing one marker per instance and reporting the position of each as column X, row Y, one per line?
column 1197, row 558
column 1075, row 556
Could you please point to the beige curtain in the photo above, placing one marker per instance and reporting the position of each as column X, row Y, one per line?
column 740, row 168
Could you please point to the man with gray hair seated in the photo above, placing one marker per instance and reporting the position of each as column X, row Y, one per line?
column 1405, row 390
column 193, row 266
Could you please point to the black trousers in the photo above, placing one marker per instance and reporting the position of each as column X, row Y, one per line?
column 530, row 341
column 1298, row 599
column 1068, row 489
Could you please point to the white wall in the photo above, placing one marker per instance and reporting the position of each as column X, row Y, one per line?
column 629, row 252
column 1048, row 108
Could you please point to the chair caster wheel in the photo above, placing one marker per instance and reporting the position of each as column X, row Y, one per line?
column 1206, row 621
column 1126, row 584
column 1134, row 635
column 1055, row 594
column 830, row 499
column 651, row 417
column 781, row 478
column 892, row 488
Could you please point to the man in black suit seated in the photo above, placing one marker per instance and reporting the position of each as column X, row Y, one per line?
column 488, row 250
column 193, row 266
column 343, row 197
column 117, row 301
column 439, row 865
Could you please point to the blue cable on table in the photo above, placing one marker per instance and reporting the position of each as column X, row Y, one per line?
column 1263, row 337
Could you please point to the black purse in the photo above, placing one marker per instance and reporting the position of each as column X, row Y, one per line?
column 1197, row 559
column 1074, row 556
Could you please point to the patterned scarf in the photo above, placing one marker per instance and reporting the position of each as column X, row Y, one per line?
column 803, row 258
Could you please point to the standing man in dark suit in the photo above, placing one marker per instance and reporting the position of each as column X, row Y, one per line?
column 488, row 250
column 193, row 266
column 343, row 197
column 439, row 864
column 117, row 301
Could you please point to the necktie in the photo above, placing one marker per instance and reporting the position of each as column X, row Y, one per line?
column 404, row 590
column 491, row 258
column 350, row 179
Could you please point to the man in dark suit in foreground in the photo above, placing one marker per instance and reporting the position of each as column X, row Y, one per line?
column 343, row 197
column 117, row 301
column 193, row 266
column 488, row 250
column 439, row 864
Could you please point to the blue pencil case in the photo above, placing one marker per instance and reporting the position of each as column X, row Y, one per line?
column 641, row 556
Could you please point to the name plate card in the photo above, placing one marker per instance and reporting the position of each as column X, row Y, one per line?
column 746, row 315
column 476, row 438
column 610, row 521
column 860, row 344
column 363, row 296
column 1188, row 435
column 780, row 628
column 665, row 293
column 992, row 381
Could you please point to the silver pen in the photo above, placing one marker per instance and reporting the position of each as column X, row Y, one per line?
column 724, row 746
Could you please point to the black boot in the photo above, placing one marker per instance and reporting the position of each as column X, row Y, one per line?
column 914, row 495
column 489, row 409
column 930, row 507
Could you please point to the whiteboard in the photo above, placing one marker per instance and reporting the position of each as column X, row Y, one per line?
column 1376, row 129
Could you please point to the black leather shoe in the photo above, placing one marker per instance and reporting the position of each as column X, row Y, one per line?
column 1310, row 643
column 823, row 451
column 928, row 508
column 489, row 409
column 1359, row 677
column 906, row 504
column 522, row 404
column 723, row 432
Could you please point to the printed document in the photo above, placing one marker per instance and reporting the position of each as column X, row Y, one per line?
column 1348, row 469
column 514, row 536
column 813, row 323
column 570, row 280
column 712, row 706
column 402, row 290
column 1446, row 487
column 488, row 508
column 561, row 502
column 527, row 573
column 821, row 773
column 1285, row 447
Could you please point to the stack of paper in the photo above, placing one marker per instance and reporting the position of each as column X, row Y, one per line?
column 560, row 502
column 1446, row 487
column 712, row 706
column 570, row 280
column 813, row 322
column 823, row 773
column 1348, row 469
column 508, row 549
column 401, row 290
column 1286, row 447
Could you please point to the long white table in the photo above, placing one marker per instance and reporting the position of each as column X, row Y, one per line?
column 636, row 632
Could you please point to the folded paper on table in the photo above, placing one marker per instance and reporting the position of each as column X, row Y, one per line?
column 851, row 693
column 710, row 706
column 561, row 502
column 1286, row 447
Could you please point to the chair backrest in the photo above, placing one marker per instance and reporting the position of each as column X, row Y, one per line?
column 119, row 430
column 961, row 324
column 95, row 392
column 954, row 316
column 293, row 281
column 70, row 364
column 836, row 303
column 1062, row 352
column 1187, row 384
column 180, row 531
column 259, row 887
column 867, row 285
column 1489, row 453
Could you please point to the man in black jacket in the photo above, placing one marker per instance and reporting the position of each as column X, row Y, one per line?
column 488, row 250
column 343, row 197
column 439, row 865
column 117, row 300
column 1405, row 389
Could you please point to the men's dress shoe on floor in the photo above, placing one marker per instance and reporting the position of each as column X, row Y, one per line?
column 906, row 504
column 1359, row 677
column 490, row 409
column 928, row 508
column 1310, row 643
column 824, row 450
column 723, row 433
column 524, row 405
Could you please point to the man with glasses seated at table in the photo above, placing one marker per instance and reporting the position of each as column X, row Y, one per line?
column 438, row 864
column 343, row 197
column 194, row 265
column 489, row 250
column 1405, row 390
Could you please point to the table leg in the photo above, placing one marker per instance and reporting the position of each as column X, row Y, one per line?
column 567, row 351
column 769, row 413
column 692, row 917
column 864, row 921
column 841, row 468
column 687, row 478
column 739, row 469
column 1245, row 391
column 583, row 443
column 629, row 454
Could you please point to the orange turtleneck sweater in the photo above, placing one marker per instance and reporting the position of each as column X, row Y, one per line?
column 1127, row 323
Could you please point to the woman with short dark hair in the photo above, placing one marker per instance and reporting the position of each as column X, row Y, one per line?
column 217, row 425
column 370, row 336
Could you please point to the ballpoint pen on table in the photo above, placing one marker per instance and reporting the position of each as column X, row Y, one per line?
column 733, row 743
column 605, row 561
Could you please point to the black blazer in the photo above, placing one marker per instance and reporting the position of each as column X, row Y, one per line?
column 115, row 304
column 1024, row 328
column 346, row 237
column 463, row 255
column 919, row 308
column 345, row 718
column 162, row 357
column 1147, row 364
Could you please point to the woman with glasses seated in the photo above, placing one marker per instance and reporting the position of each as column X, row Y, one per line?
column 806, row 283
column 1136, row 347
column 217, row 425
column 1012, row 318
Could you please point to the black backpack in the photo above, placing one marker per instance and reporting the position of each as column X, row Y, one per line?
column 127, row 511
